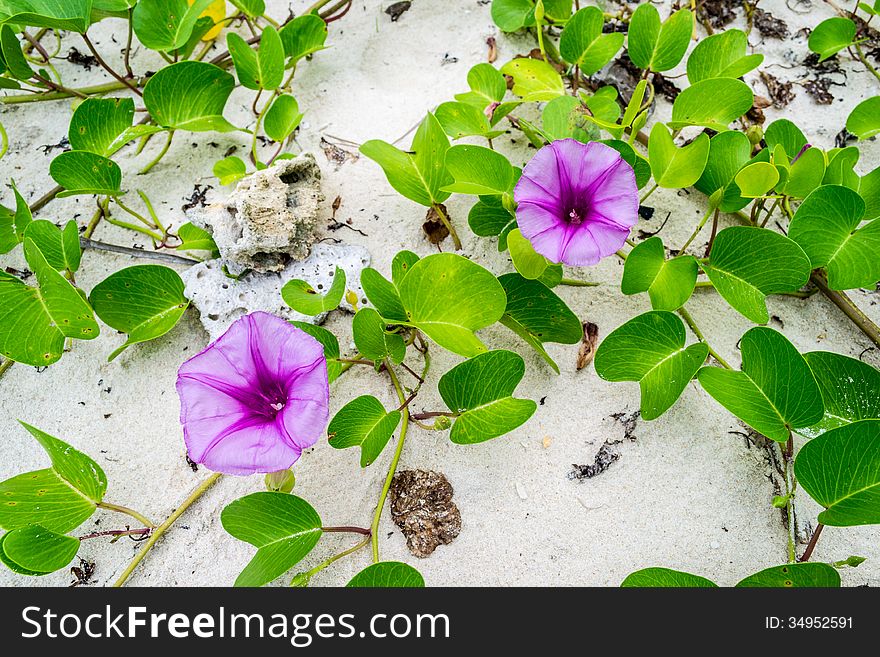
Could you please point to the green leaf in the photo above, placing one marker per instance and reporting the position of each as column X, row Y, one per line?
column 721, row 55
column 714, row 103
column 481, row 391
column 512, row 15
column 464, row 120
column 12, row 56
column 537, row 315
column 35, row 549
column 864, row 120
column 566, row 117
column 840, row 169
column 363, row 422
column 330, row 344
column 449, row 297
column 669, row 283
column 303, row 298
column 487, row 86
column 850, row 390
column 82, row 172
column 478, row 170
column 53, row 14
column 805, row 174
column 641, row 166
column 774, row 392
column 672, row 167
column 229, row 170
column 372, row 340
column 528, row 262
column 786, row 133
column 166, row 24
column 59, row 498
column 831, row 36
column 655, row 47
column 104, row 125
column 282, row 118
column 303, row 36
column 582, row 42
column 665, row 577
column 60, row 248
column 756, row 179
column 748, row 263
column 193, row 238
column 252, row 8
column 35, row 321
column 421, row 174
column 534, row 79
column 284, row 529
column 650, row 349
column 841, row 471
column 488, row 217
column 383, row 294
column 826, row 226
column 728, row 152
column 869, row 190
column 401, row 264
column 388, row 574
column 258, row 70
column 144, row 301
column 190, row 95
column 794, row 575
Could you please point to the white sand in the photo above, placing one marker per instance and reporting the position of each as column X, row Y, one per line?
column 685, row 494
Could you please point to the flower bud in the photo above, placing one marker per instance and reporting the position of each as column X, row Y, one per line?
column 442, row 423
column 281, row 481
column 755, row 133
column 301, row 580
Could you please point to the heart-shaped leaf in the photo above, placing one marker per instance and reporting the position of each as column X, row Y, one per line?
column 512, row 15
column 401, row 264
column 193, row 238
column 144, row 301
column 421, row 174
column 71, row 15
column 748, row 263
column 565, row 117
column 669, row 283
column 481, row 390
column 373, row 341
column 35, row 550
column 363, row 422
column 229, row 170
column 284, row 529
column 14, row 223
column 305, row 299
column 841, row 471
column 785, row 133
column 805, row 174
column 850, row 390
column 831, row 36
column 794, row 575
column 252, row 8
column 528, row 262
column 60, row 247
column 330, row 344
column 488, row 217
column 651, row 349
column 666, row 577
column 282, row 118
column 534, row 79
column 388, row 574
column 729, row 151
column 464, row 120
column 582, row 42
column 449, row 297
column 658, row 47
column 537, row 315
column 478, row 170
column 104, row 125
column 166, row 24
column 864, row 120
column 487, row 86
column 672, row 167
column 82, row 172
column 59, row 498
column 35, row 321
column 721, row 55
column 190, row 96
column 383, row 294
column 258, row 70
column 774, row 392
column 826, row 226
column 756, row 179
column 303, row 36
column 713, row 103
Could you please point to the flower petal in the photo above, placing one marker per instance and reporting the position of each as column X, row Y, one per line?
column 591, row 243
column 253, row 448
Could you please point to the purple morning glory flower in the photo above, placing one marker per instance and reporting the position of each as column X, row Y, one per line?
column 576, row 202
column 254, row 398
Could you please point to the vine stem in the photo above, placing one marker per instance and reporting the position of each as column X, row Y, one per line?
column 5, row 365
column 87, row 243
column 573, row 282
column 117, row 533
column 445, row 219
column 336, row 557
column 107, row 67
column 686, row 316
column 129, row 512
column 165, row 526
column 648, row 194
column 850, row 309
column 861, row 55
column 392, row 469
column 161, row 154
column 94, row 90
column 812, row 544
column 697, row 229
column 347, row 530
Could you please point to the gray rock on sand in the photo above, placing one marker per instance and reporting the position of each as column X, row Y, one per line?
column 269, row 219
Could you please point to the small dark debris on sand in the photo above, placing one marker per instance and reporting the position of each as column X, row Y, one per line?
column 434, row 227
column 629, row 422
column 780, row 92
column 398, row 9
column 818, row 89
column 717, row 12
column 422, row 506
column 768, row 25
column 606, row 455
